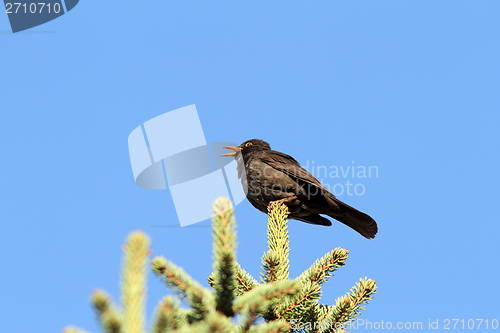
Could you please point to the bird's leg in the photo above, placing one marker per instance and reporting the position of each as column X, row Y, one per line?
column 277, row 202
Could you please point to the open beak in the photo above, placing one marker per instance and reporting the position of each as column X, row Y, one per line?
column 234, row 149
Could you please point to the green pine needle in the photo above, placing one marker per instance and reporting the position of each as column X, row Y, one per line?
column 134, row 278
column 275, row 262
column 279, row 301
column 110, row 319
column 200, row 299
column 224, row 249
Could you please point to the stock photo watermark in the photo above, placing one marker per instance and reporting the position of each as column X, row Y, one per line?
column 25, row 15
column 430, row 324
column 267, row 181
column 170, row 151
column 343, row 180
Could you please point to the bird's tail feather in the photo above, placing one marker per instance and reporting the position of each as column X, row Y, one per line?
column 353, row 218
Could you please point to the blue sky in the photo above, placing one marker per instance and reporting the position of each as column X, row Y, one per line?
column 409, row 87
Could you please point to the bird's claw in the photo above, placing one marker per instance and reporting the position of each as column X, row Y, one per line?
column 280, row 201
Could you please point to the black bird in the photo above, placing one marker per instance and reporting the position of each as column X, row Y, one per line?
column 269, row 176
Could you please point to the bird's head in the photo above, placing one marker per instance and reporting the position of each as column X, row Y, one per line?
column 247, row 147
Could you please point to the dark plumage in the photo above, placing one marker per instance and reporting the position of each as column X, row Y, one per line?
column 272, row 176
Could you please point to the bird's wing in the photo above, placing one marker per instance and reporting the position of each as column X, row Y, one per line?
column 287, row 164
column 330, row 205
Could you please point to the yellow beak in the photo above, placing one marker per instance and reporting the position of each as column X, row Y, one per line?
column 234, row 149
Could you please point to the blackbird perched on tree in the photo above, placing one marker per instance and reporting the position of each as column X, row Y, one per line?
column 269, row 176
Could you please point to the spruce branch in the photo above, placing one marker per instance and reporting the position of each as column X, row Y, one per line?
column 169, row 316
column 224, row 250
column 259, row 300
column 214, row 322
column 298, row 307
column 133, row 284
column 275, row 262
column 109, row 317
column 311, row 281
column 200, row 299
column 279, row 301
column 244, row 281
column 323, row 268
column 348, row 307
column 270, row 267
column 320, row 312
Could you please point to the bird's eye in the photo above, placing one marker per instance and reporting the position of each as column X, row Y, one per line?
column 248, row 144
